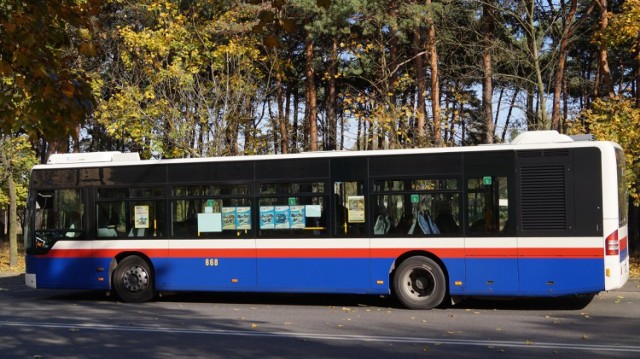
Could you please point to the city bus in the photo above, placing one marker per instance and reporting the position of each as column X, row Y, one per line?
column 542, row 216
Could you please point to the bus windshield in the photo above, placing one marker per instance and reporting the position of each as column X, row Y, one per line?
column 58, row 215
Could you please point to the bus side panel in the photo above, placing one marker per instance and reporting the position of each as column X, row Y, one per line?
column 561, row 276
column 62, row 272
column 202, row 274
column 455, row 271
column 313, row 265
column 491, row 276
column 207, row 264
column 491, row 265
column 330, row 275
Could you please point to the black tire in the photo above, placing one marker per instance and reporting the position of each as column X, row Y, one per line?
column 133, row 280
column 419, row 283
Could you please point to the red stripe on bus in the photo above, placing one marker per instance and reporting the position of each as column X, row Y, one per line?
column 335, row 252
column 624, row 242
column 491, row 252
column 313, row 253
column 112, row 252
column 561, row 252
column 212, row 252
column 396, row 252
column 102, row 253
column 69, row 253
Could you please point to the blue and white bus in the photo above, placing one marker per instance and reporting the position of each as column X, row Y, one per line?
column 543, row 216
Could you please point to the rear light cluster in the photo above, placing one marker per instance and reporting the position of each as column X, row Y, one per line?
column 612, row 245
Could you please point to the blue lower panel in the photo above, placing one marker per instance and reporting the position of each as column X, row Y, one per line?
column 560, row 276
column 202, row 274
column 64, row 272
column 491, row 276
column 471, row 276
column 331, row 275
column 380, row 268
column 624, row 254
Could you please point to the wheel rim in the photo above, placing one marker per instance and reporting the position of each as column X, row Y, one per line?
column 419, row 283
column 135, row 279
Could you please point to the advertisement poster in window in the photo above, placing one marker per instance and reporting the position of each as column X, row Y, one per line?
column 228, row 218
column 267, row 220
column 297, row 217
column 283, row 215
column 356, row 209
column 141, row 216
column 243, row 217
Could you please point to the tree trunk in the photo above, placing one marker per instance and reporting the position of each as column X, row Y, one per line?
column 542, row 120
column 455, row 116
column 604, row 71
column 13, row 222
column 282, row 119
column 487, row 86
column 332, row 122
column 497, row 116
column 421, row 81
column 508, row 119
column 295, row 129
column 435, row 85
column 559, row 75
column 532, row 121
column 359, row 136
column 13, row 211
column 311, row 98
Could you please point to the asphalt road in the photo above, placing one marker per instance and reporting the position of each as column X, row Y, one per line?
column 85, row 324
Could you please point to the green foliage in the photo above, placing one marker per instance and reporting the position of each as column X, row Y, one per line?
column 616, row 119
column 41, row 89
column 194, row 78
column 20, row 157
column 193, row 70
column 624, row 28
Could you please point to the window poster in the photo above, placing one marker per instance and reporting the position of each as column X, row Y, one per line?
column 141, row 216
column 297, row 217
column 283, row 215
column 209, row 222
column 267, row 220
column 356, row 209
column 243, row 217
column 229, row 218
column 313, row 210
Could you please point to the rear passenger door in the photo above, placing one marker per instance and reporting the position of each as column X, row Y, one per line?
column 491, row 247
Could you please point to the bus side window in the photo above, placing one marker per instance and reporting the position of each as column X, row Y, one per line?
column 487, row 205
column 416, row 207
column 349, row 212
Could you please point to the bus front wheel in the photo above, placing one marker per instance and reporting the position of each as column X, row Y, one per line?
column 133, row 280
column 419, row 283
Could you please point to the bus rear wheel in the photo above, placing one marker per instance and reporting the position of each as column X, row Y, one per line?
column 133, row 280
column 419, row 283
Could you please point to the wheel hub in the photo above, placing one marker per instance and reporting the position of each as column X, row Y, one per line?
column 136, row 279
column 420, row 283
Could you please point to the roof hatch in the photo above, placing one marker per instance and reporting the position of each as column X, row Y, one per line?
column 533, row 137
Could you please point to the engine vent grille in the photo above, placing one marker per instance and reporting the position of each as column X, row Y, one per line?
column 544, row 203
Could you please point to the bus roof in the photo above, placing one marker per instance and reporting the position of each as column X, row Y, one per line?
column 524, row 141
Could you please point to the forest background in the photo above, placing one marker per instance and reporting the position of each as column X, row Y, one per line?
column 195, row 78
